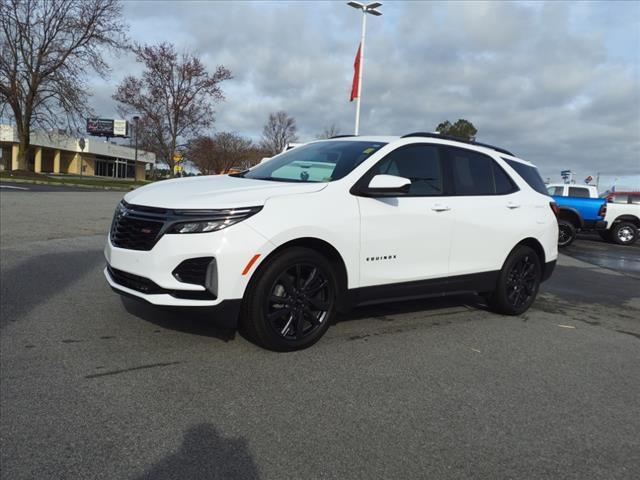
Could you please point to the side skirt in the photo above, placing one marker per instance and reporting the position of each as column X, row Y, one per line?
column 438, row 287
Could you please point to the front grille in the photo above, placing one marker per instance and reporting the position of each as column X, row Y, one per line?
column 193, row 270
column 134, row 282
column 137, row 228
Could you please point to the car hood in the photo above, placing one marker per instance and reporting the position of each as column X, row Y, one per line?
column 219, row 191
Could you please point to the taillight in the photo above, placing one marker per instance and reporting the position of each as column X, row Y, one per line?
column 555, row 208
column 603, row 210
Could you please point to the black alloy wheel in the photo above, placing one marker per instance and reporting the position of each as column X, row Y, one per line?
column 291, row 301
column 298, row 301
column 517, row 285
column 522, row 281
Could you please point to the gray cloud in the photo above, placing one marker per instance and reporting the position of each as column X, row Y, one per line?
column 558, row 83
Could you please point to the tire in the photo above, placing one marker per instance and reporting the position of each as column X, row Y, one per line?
column 306, row 283
column 624, row 233
column 605, row 235
column 518, row 282
column 566, row 233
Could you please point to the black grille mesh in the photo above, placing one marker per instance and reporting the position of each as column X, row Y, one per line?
column 136, row 228
column 134, row 282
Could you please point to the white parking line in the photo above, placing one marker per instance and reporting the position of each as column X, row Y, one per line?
column 15, row 188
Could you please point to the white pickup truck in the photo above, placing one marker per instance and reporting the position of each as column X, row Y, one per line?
column 623, row 210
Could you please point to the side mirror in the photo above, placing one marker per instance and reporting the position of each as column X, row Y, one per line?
column 387, row 186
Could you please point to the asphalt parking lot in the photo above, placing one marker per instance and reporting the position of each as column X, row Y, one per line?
column 96, row 387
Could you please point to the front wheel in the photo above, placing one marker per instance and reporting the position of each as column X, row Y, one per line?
column 291, row 302
column 518, row 282
column 624, row 233
column 566, row 233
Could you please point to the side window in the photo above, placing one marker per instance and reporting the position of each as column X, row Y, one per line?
column 557, row 191
column 420, row 164
column 503, row 182
column 472, row 172
column 578, row 192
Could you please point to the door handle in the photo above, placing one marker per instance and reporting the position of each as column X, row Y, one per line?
column 439, row 207
column 513, row 205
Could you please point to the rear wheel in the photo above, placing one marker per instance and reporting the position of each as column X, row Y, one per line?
column 291, row 302
column 518, row 282
column 566, row 233
column 624, row 233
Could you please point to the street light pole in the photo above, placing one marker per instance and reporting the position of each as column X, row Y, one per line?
column 366, row 9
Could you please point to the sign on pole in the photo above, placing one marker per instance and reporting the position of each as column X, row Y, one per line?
column 107, row 127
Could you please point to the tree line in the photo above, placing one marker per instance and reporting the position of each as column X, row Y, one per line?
column 49, row 49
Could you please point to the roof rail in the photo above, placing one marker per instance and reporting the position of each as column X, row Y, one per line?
column 457, row 139
column 341, row 136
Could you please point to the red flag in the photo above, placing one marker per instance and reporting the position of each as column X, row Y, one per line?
column 356, row 76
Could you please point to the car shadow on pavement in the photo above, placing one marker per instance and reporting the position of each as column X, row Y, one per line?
column 205, row 454
column 33, row 282
column 200, row 321
column 194, row 320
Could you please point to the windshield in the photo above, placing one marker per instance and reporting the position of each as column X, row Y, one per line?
column 315, row 162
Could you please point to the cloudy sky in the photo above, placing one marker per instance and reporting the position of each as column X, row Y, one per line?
column 557, row 83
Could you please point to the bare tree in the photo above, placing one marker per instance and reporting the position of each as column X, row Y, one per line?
column 173, row 97
column 47, row 49
column 220, row 153
column 279, row 131
column 328, row 132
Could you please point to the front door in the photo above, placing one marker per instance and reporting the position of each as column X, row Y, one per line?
column 406, row 238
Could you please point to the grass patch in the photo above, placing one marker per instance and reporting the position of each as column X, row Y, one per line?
column 72, row 180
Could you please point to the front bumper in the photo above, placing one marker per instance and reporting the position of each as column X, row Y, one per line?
column 232, row 249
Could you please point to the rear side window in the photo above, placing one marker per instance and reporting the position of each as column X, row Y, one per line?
column 578, row 192
column 557, row 191
column 477, row 174
column 529, row 174
column 503, row 182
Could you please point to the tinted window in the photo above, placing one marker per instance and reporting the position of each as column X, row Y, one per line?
column 315, row 162
column 529, row 174
column 578, row 192
column 555, row 191
column 472, row 172
column 503, row 182
column 420, row 164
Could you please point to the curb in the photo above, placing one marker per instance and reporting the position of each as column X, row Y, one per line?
column 66, row 184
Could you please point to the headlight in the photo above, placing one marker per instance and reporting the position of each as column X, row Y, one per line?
column 203, row 221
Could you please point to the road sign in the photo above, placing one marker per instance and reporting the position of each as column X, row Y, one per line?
column 178, row 157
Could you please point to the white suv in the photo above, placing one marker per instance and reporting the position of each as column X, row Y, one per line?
column 334, row 224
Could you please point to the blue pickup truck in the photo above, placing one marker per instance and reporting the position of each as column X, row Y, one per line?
column 579, row 213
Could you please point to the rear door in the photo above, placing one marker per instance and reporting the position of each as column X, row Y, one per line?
column 406, row 238
column 487, row 209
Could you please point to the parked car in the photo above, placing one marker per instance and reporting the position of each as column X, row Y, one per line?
column 622, row 214
column 623, row 218
column 334, row 224
column 579, row 214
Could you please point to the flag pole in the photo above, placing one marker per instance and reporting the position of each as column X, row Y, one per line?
column 364, row 26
